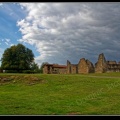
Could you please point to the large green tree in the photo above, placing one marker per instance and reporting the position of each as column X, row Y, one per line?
column 17, row 57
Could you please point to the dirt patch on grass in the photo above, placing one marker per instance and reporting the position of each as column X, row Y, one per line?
column 26, row 79
column 31, row 80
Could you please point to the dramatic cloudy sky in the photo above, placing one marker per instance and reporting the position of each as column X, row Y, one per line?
column 57, row 32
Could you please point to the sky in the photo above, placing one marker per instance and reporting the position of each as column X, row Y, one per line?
column 61, row 31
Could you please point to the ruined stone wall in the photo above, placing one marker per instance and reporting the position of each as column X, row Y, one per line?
column 52, row 69
column 101, row 65
column 113, row 68
column 82, row 66
column 59, row 70
column 90, row 66
column 106, row 66
column 45, row 70
column 62, row 71
column 55, row 70
column 68, row 67
column 73, row 69
column 111, row 62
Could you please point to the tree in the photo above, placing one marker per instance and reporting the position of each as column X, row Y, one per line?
column 17, row 57
column 35, row 67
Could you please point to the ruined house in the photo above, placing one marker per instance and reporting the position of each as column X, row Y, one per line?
column 101, row 64
column 106, row 66
column 113, row 66
column 54, row 69
column 83, row 66
column 71, row 68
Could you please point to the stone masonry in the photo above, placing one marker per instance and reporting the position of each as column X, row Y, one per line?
column 71, row 68
column 84, row 66
column 101, row 65
column 54, row 69
column 106, row 66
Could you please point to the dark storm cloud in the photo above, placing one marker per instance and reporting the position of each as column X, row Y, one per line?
column 62, row 31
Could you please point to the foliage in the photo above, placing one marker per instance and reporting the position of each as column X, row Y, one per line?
column 35, row 67
column 17, row 57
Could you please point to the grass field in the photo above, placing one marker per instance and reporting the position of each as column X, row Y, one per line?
column 39, row 94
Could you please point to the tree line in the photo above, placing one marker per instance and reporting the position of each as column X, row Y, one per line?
column 19, row 59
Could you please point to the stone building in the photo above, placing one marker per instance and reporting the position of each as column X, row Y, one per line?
column 113, row 66
column 106, row 66
column 54, row 69
column 83, row 66
column 72, row 68
column 101, row 64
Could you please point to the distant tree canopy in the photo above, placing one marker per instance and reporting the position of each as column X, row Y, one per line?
column 35, row 67
column 17, row 57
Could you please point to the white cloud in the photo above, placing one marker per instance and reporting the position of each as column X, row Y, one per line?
column 1, row 4
column 62, row 31
column 12, row 44
column 7, row 40
column 6, row 43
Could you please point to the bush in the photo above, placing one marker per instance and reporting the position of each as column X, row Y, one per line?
column 11, row 71
column 28, row 71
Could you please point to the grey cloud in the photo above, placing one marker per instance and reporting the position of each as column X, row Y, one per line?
column 62, row 31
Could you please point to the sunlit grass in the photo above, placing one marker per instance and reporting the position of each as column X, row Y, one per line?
column 61, row 95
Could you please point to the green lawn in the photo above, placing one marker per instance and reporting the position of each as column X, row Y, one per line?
column 85, row 94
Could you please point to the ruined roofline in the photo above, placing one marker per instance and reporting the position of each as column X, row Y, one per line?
column 56, row 65
column 81, row 59
column 86, row 66
column 47, row 65
column 86, row 60
column 111, row 62
column 74, row 64
column 101, row 54
column 60, row 66
column 68, row 62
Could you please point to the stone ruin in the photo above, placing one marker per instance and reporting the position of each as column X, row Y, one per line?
column 106, row 66
column 83, row 66
column 101, row 64
column 54, row 69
